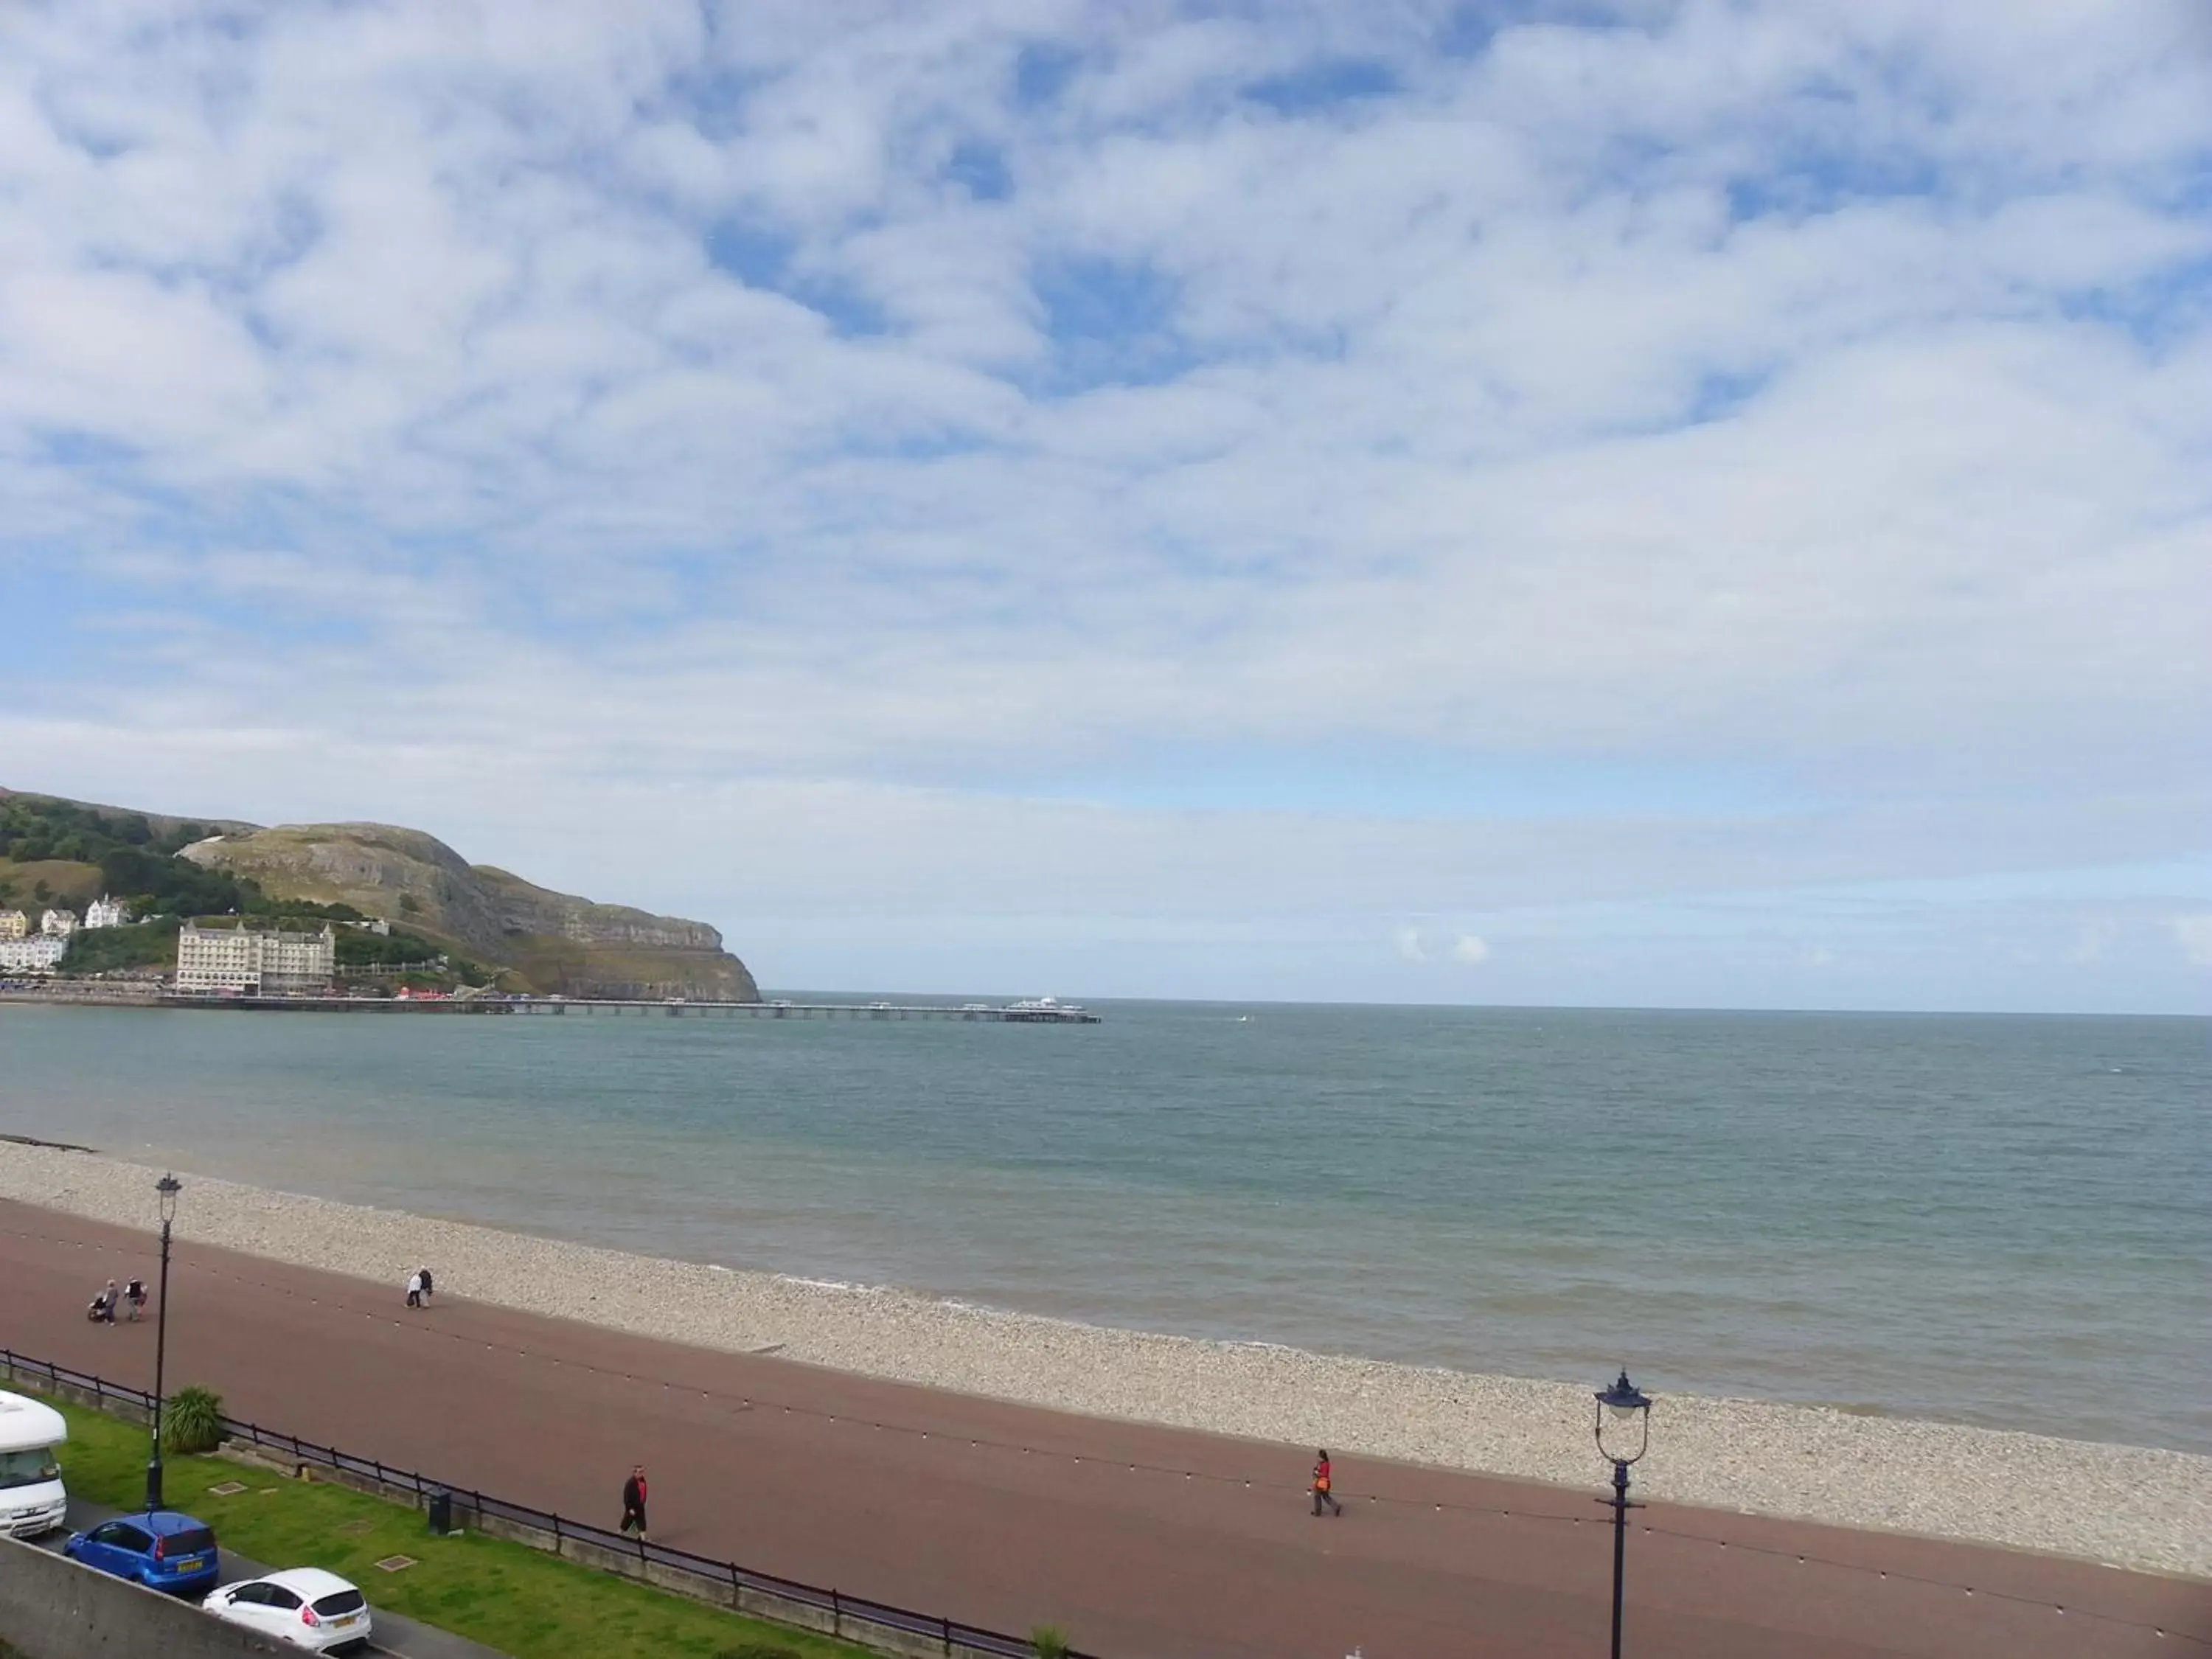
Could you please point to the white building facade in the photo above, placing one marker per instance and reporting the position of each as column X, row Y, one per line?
column 38, row 953
column 60, row 923
column 252, row 964
column 105, row 912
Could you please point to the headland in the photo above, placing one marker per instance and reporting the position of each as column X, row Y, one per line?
column 409, row 911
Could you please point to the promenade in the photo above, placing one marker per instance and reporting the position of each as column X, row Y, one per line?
column 1010, row 1516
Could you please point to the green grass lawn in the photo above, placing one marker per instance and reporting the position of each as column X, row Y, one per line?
column 520, row 1601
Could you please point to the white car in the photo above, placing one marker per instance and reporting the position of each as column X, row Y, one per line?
column 304, row 1606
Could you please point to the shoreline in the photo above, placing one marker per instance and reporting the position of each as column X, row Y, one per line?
column 2142, row 1508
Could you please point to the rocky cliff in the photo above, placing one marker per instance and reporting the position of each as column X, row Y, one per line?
column 552, row 942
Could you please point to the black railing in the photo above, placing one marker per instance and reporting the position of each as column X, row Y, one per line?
column 849, row 1616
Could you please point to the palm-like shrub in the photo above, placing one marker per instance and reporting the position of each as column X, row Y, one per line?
column 192, row 1421
column 1046, row 1642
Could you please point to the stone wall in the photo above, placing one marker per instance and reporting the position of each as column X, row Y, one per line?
column 53, row 1608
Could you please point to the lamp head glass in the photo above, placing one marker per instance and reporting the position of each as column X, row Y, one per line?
column 1624, row 1421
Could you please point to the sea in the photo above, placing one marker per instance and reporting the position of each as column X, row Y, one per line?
column 2004, row 1221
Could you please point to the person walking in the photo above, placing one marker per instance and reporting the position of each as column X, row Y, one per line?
column 415, row 1288
column 102, row 1310
column 633, row 1503
column 424, row 1275
column 135, row 1294
column 1324, row 1477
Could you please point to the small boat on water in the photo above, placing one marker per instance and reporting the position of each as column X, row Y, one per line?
column 1050, row 1011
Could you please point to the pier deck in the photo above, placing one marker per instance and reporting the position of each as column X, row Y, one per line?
column 1001, row 1014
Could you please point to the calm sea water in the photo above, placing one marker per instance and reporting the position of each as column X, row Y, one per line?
column 1997, row 1220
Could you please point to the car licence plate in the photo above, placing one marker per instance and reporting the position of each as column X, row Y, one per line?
column 344, row 1621
column 192, row 1564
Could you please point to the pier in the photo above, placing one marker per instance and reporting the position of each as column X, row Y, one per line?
column 1043, row 1010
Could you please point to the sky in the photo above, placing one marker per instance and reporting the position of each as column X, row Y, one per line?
column 1700, row 504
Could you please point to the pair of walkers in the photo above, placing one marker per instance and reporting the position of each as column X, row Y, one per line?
column 105, row 1306
column 418, row 1288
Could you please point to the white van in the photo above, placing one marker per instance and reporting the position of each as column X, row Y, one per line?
column 31, row 1501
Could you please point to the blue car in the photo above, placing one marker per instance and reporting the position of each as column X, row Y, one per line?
column 158, row 1548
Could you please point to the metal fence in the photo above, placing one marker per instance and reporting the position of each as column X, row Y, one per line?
column 850, row 1617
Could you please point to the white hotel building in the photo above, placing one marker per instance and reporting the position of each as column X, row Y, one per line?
column 255, row 963
column 36, row 953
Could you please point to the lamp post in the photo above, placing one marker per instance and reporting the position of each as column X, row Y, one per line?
column 1624, row 1429
column 168, row 1187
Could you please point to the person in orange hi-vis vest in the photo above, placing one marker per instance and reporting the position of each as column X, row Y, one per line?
column 1321, row 1482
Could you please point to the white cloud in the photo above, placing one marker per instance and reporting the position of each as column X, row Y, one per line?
column 2194, row 935
column 1468, row 948
column 777, row 409
column 1410, row 946
column 2094, row 940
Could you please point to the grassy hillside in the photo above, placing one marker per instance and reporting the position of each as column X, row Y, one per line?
column 32, row 885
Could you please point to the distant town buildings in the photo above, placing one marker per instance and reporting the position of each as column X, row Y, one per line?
column 59, row 923
column 33, row 953
column 105, row 912
column 14, row 924
column 254, row 963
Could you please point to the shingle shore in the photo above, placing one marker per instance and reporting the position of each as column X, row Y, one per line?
column 2132, row 1506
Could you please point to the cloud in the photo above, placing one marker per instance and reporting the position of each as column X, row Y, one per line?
column 1765, row 444
column 1410, row 946
column 1468, row 948
column 2194, row 935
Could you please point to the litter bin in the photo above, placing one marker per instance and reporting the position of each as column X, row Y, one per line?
column 442, row 1513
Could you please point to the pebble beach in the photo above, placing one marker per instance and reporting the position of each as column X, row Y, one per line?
column 2139, row 1508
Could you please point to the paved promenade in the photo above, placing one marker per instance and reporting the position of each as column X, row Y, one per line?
column 1009, row 1516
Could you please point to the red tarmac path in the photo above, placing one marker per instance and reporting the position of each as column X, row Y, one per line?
column 1008, row 1517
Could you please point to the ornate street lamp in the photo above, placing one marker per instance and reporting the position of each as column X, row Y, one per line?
column 168, row 1187
column 1624, row 1429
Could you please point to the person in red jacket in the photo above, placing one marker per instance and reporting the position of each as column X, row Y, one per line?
column 1322, row 1481
column 633, row 1502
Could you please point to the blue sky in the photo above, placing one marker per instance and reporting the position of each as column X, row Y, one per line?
column 1660, row 504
